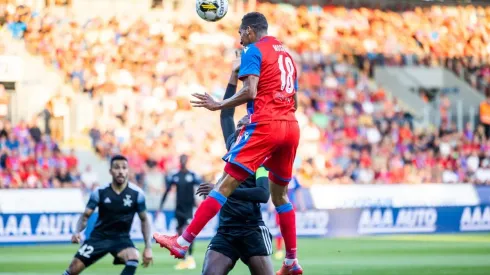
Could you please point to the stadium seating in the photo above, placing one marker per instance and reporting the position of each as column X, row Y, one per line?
column 143, row 72
column 31, row 159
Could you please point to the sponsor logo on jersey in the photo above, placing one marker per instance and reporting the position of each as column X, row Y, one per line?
column 107, row 200
column 406, row 220
column 475, row 219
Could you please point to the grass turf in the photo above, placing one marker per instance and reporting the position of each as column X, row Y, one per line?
column 403, row 255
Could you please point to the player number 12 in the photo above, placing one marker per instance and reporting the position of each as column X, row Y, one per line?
column 287, row 81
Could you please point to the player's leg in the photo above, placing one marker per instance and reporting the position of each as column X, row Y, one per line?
column 76, row 267
column 130, row 257
column 252, row 147
column 255, row 247
column 220, row 257
column 260, row 265
column 188, row 262
column 280, row 166
column 216, row 263
column 125, row 253
column 88, row 253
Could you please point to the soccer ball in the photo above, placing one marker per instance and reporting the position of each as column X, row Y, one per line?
column 211, row 10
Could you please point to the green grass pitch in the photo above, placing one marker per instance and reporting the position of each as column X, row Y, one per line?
column 391, row 255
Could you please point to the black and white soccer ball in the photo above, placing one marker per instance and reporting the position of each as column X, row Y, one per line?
column 211, row 10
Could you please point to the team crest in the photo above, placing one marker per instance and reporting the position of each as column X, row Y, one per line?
column 127, row 201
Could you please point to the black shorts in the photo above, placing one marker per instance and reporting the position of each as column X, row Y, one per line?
column 182, row 221
column 242, row 243
column 95, row 248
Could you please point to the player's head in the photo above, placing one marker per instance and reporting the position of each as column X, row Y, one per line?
column 183, row 161
column 254, row 26
column 119, row 169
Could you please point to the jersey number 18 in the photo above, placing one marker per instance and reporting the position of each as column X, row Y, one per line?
column 287, row 81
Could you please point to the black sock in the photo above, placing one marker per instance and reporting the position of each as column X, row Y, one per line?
column 189, row 252
column 130, row 268
column 66, row 272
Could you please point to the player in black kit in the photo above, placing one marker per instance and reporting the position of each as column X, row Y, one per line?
column 117, row 202
column 242, row 233
column 184, row 181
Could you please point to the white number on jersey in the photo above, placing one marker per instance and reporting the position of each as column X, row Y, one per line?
column 86, row 250
column 287, row 80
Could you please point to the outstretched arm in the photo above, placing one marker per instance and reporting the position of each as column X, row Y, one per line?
column 255, row 194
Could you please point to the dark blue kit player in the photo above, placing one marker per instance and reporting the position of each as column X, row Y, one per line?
column 118, row 202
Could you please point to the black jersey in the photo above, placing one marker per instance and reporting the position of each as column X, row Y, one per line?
column 185, row 181
column 240, row 212
column 116, row 212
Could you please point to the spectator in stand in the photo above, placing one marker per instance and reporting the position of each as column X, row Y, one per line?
column 27, row 163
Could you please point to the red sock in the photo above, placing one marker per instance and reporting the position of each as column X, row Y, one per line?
column 206, row 211
column 279, row 243
column 287, row 223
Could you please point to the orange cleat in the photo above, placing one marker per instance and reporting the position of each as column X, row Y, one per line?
column 170, row 243
column 293, row 269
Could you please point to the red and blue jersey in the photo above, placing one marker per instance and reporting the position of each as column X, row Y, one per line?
column 269, row 60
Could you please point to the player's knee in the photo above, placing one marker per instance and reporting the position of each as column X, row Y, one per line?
column 279, row 200
column 133, row 255
column 76, row 267
column 227, row 185
column 129, row 254
column 279, row 195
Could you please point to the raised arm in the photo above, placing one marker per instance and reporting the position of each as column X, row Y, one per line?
column 255, row 194
column 226, row 115
column 249, row 73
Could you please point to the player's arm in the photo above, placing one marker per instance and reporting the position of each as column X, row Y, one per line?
column 260, row 193
column 145, row 228
column 170, row 183
column 93, row 202
column 226, row 115
column 249, row 73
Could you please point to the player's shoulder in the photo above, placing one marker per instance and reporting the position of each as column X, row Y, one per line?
column 99, row 191
column 135, row 188
column 102, row 188
column 173, row 173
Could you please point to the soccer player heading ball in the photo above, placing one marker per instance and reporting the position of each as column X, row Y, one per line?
column 117, row 202
column 270, row 139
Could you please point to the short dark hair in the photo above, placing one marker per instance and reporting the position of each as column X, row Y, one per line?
column 118, row 157
column 256, row 21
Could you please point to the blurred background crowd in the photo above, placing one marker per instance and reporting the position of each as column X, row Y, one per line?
column 140, row 73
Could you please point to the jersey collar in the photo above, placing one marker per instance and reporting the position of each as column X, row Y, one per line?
column 267, row 37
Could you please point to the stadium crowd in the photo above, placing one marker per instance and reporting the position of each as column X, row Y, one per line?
column 31, row 159
column 141, row 74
